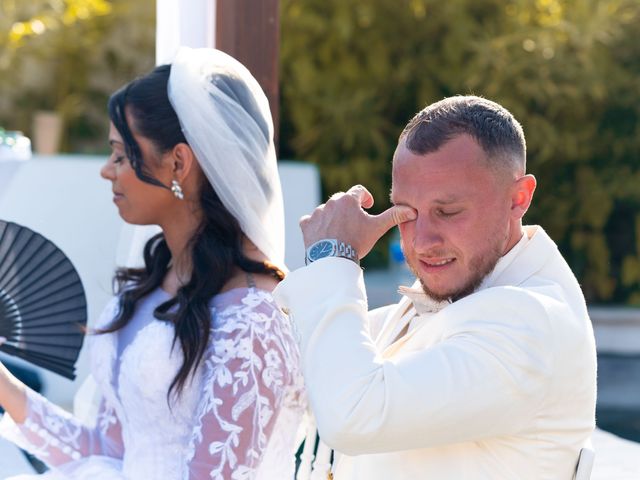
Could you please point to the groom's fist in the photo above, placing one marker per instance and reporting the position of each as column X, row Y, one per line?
column 343, row 218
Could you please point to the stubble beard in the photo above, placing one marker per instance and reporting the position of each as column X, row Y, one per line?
column 480, row 266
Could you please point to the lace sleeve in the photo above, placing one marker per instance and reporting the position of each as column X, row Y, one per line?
column 56, row 437
column 245, row 375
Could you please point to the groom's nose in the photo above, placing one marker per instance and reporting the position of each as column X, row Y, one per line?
column 427, row 234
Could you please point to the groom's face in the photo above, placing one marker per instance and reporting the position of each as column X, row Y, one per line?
column 463, row 221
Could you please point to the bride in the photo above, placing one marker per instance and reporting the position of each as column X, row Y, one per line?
column 197, row 367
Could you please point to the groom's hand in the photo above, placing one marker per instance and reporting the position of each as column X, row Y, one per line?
column 344, row 219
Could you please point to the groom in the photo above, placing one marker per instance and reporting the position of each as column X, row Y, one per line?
column 486, row 369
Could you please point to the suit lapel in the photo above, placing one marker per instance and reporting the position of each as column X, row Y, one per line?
column 535, row 254
column 398, row 318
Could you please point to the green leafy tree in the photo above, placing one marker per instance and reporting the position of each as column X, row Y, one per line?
column 69, row 56
column 353, row 73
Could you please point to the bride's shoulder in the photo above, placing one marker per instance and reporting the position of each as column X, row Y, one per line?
column 242, row 301
column 246, row 308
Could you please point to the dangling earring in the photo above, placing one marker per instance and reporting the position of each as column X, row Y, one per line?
column 177, row 190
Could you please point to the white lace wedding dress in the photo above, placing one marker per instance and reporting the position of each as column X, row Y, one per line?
column 237, row 419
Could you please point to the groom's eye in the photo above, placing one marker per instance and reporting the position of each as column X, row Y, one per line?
column 448, row 213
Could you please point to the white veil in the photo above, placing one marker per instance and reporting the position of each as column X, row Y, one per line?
column 225, row 117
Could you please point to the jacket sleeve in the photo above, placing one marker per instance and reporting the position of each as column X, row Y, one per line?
column 485, row 377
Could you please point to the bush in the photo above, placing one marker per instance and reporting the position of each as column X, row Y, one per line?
column 69, row 56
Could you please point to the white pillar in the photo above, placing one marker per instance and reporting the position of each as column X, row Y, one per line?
column 189, row 23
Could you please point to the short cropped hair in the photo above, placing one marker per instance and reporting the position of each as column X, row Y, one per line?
column 491, row 125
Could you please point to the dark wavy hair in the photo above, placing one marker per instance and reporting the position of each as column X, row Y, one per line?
column 216, row 247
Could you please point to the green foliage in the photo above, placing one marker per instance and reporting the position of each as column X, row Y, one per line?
column 353, row 73
column 69, row 56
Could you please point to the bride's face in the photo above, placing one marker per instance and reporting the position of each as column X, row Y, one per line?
column 138, row 202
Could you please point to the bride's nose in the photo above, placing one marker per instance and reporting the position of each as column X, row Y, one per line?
column 108, row 171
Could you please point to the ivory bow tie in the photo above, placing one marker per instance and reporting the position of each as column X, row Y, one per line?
column 422, row 302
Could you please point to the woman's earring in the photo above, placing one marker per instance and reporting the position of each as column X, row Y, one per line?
column 177, row 190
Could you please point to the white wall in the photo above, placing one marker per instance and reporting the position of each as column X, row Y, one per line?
column 64, row 199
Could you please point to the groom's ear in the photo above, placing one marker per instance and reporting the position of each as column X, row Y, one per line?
column 182, row 161
column 522, row 195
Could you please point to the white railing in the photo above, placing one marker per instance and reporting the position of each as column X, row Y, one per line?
column 617, row 329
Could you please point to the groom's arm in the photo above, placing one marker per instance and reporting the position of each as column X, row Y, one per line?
column 485, row 379
column 489, row 377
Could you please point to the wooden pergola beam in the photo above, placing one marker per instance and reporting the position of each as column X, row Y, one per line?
column 250, row 32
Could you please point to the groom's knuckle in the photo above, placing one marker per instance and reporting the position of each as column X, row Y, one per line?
column 336, row 196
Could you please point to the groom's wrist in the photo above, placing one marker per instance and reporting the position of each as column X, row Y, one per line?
column 330, row 247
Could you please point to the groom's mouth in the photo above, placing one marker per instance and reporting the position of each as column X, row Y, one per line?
column 435, row 265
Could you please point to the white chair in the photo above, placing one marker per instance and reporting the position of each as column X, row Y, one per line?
column 585, row 463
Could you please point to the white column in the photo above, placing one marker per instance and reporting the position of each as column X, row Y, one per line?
column 189, row 23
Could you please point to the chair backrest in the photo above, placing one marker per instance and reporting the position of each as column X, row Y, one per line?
column 585, row 463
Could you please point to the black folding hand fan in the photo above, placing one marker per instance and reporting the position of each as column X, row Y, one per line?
column 43, row 308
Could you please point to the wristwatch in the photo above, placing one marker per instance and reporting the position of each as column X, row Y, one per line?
column 330, row 247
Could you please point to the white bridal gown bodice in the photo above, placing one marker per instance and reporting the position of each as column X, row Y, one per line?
column 238, row 418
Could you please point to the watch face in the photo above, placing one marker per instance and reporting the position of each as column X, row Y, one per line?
column 321, row 249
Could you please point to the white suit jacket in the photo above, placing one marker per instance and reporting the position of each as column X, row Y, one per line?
column 498, row 385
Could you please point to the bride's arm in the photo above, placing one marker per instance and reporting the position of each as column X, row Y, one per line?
column 48, row 431
column 251, row 362
column 12, row 395
column 55, row 436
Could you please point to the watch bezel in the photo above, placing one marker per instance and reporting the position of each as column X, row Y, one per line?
column 338, row 249
column 312, row 256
